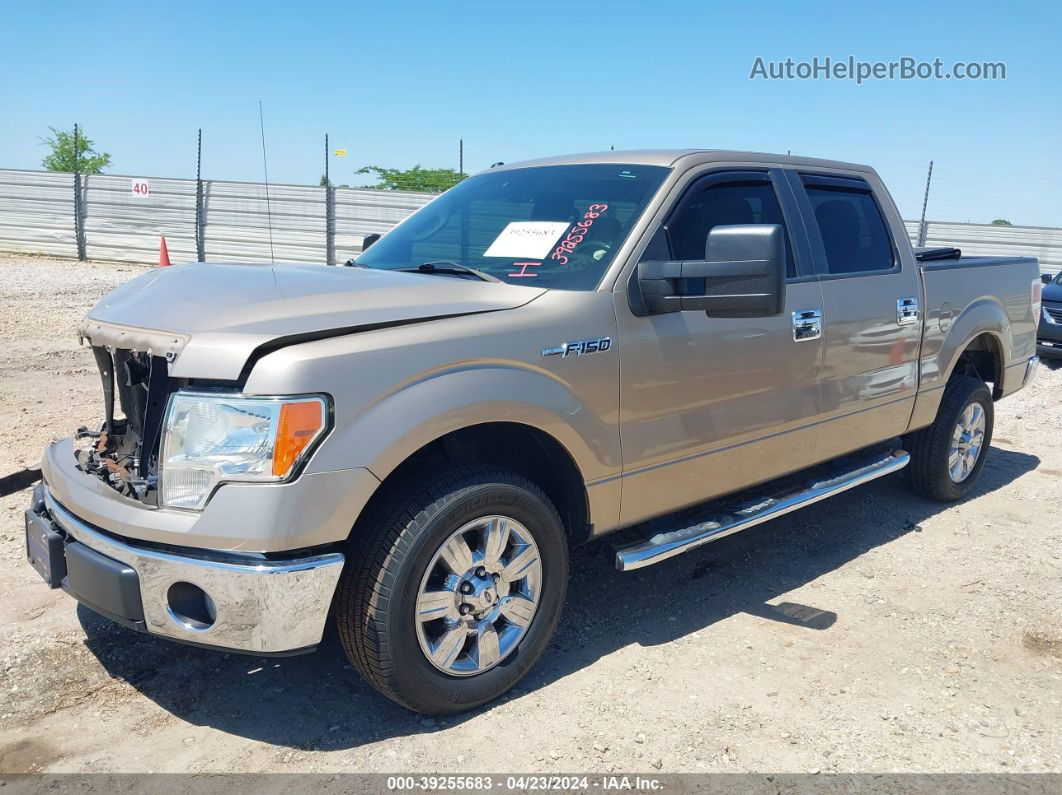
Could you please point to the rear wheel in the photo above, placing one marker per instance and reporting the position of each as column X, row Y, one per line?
column 453, row 588
column 947, row 457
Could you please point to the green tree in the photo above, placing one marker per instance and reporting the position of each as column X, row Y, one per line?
column 61, row 157
column 422, row 180
column 1002, row 222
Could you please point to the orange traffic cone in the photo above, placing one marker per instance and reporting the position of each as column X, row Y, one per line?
column 164, row 253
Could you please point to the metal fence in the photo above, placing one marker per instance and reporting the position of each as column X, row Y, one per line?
column 992, row 240
column 118, row 222
column 309, row 223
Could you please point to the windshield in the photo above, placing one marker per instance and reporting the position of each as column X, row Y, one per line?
column 547, row 226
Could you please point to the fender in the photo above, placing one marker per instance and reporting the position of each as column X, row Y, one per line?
column 502, row 396
column 395, row 390
column 387, row 432
column 941, row 350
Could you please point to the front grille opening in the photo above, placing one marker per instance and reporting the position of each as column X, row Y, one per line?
column 124, row 452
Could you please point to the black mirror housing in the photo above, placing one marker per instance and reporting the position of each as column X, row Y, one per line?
column 743, row 271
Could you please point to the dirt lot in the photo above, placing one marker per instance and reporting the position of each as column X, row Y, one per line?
column 874, row 632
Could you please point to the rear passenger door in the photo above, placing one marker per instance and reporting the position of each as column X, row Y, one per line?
column 871, row 318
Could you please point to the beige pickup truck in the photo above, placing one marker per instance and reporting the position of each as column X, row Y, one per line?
column 546, row 353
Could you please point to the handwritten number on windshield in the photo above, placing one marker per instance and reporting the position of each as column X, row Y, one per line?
column 577, row 234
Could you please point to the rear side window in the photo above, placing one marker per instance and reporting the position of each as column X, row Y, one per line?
column 853, row 230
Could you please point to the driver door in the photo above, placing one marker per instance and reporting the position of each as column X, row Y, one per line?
column 709, row 405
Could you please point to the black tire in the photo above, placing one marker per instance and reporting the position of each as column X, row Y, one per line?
column 393, row 545
column 928, row 471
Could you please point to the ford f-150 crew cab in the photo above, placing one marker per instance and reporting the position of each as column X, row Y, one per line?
column 546, row 353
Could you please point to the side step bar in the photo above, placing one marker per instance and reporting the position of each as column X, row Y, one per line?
column 667, row 545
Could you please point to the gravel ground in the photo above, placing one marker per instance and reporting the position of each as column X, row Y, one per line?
column 874, row 632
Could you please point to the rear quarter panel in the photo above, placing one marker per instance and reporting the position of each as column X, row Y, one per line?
column 967, row 298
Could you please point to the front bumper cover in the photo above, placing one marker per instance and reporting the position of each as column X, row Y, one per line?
column 1049, row 332
column 258, row 606
column 315, row 509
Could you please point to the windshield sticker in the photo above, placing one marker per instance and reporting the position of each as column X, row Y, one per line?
column 577, row 234
column 526, row 239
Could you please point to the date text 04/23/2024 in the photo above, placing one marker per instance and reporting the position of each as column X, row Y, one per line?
column 525, row 783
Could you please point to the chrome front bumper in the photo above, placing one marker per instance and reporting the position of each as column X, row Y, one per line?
column 254, row 605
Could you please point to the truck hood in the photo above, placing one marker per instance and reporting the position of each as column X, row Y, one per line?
column 208, row 318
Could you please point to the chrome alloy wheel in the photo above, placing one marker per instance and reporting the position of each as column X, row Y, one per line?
column 966, row 443
column 478, row 596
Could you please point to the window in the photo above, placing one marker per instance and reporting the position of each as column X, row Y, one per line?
column 853, row 231
column 544, row 226
column 721, row 204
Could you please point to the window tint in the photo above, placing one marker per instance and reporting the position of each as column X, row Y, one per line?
column 546, row 226
column 853, row 232
column 723, row 205
column 657, row 247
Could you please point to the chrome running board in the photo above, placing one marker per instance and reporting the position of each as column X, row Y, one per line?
column 667, row 545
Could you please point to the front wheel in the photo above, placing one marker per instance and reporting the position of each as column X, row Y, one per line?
column 947, row 457
column 453, row 588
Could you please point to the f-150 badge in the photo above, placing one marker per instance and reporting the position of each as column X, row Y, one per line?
column 579, row 347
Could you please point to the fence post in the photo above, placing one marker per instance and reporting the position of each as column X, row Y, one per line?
column 200, row 248
column 330, row 224
column 79, row 219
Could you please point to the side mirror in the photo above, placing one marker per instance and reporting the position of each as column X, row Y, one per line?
column 1045, row 278
column 369, row 240
column 743, row 271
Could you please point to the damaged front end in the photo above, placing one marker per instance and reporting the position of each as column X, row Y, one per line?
column 124, row 452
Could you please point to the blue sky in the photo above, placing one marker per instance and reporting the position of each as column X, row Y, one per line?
column 398, row 83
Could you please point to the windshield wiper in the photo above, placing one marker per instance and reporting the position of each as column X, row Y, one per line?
column 450, row 268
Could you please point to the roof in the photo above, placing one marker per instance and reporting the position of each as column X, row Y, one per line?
column 670, row 157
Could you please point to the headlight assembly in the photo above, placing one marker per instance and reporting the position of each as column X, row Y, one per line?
column 212, row 438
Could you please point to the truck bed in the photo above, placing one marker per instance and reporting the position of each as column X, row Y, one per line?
column 969, row 297
column 1029, row 263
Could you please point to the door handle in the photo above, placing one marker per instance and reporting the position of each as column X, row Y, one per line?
column 807, row 324
column 906, row 311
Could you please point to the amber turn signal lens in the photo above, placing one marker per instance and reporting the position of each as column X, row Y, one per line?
column 298, row 426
